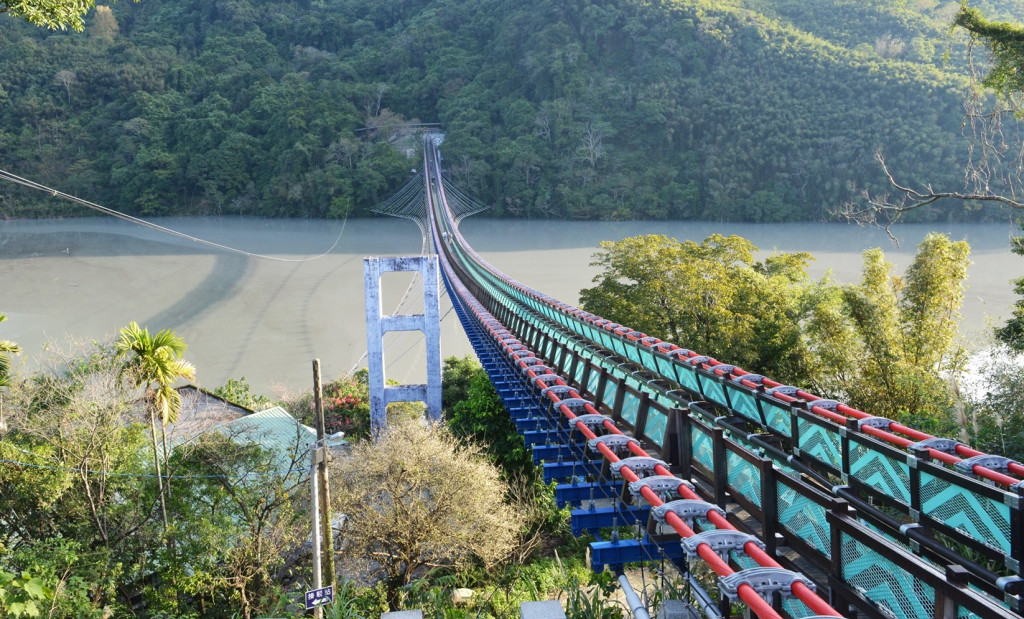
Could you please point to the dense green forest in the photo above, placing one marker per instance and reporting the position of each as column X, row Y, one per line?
column 755, row 110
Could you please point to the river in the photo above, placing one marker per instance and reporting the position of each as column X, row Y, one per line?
column 82, row 279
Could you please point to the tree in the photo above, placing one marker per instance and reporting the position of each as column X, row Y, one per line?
column 416, row 499
column 994, row 168
column 473, row 411
column 996, row 404
column 66, row 79
column 1005, row 41
column 239, row 528
column 78, row 513
column 710, row 296
column 104, row 24
column 888, row 343
column 52, row 14
column 7, row 348
column 1012, row 333
column 155, row 363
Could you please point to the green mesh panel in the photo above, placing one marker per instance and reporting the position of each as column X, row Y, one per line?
column 712, row 389
column 778, row 418
column 632, row 353
column 743, row 560
column 744, row 477
column 795, row 608
column 703, row 449
column 588, row 331
column 804, row 518
column 647, row 359
column 885, row 474
column 656, row 423
column 745, row 404
column 610, row 388
column 580, row 367
column 820, row 443
column 556, row 357
column 665, row 366
column 894, row 590
column 546, row 351
column 963, row 613
column 978, row 517
column 605, row 338
column 630, row 404
column 593, row 379
column 618, row 346
column 686, row 377
column 664, row 400
column 783, row 467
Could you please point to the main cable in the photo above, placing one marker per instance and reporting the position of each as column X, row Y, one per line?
column 7, row 176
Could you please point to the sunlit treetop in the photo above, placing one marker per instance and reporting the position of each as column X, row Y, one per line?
column 53, row 14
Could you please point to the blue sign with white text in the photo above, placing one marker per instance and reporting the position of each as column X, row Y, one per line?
column 319, row 597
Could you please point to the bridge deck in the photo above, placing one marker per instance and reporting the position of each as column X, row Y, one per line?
column 880, row 519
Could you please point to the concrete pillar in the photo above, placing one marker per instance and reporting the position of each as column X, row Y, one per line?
column 377, row 324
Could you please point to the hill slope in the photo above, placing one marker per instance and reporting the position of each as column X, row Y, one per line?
column 758, row 110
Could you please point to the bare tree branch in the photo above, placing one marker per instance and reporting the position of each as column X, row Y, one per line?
column 992, row 172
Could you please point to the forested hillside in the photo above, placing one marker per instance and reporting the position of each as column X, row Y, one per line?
column 757, row 110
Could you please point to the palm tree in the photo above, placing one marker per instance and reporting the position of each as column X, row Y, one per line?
column 7, row 348
column 155, row 362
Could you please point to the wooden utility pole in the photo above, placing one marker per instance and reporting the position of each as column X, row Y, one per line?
column 325, row 492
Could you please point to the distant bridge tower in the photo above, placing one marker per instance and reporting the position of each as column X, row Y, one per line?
column 377, row 324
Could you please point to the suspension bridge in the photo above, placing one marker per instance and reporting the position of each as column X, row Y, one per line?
column 803, row 506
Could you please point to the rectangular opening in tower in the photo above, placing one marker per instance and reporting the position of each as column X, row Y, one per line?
column 405, row 357
column 401, row 293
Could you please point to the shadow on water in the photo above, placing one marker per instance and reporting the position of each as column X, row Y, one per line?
column 221, row 284
column 17, row 244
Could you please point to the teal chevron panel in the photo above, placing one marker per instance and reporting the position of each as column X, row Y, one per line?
column 656, row 424
column 665, row 367
column 820, row 442
column 976, row 516
column 578, row 374
column 608, row 397
column 804, row 518
column 557, row 356
column 686, row 377
column 712, row 389
column 630, row 404
column 632, row 352
column 587, row 330
column 778, row 418
column 894, row 590
column 743, row 560
column 646, row 358
column 744, row 403
column 887, row 475
column 703, row 450
column 795, row 608
column 744, row 477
